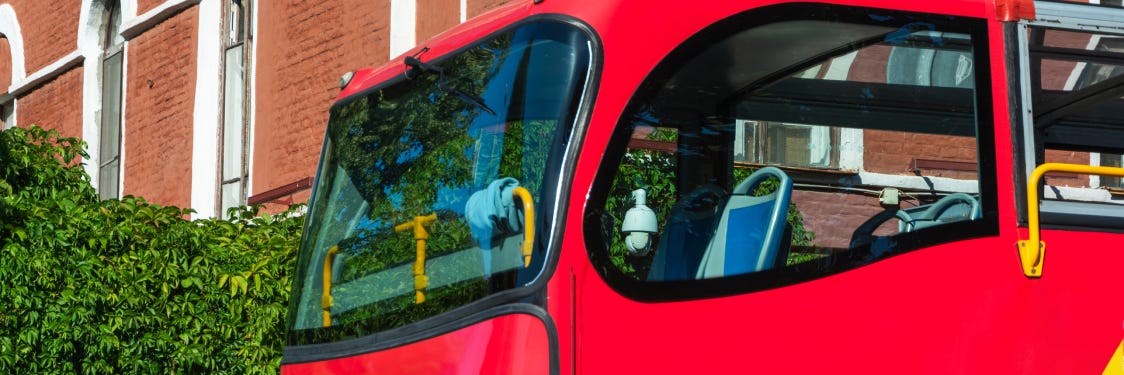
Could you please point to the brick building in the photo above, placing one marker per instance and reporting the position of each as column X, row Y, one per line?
column 205, row 104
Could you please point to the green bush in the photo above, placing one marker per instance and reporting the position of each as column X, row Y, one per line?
column 127, row 286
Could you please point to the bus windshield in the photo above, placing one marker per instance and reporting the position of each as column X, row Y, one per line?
column 431, row 190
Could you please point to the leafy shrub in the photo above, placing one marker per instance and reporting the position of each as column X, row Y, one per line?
column 127, row 286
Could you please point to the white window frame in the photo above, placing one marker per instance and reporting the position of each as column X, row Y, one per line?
column 234, row 130
column 112, row 46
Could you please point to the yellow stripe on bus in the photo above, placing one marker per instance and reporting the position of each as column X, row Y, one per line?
column 1116, row 364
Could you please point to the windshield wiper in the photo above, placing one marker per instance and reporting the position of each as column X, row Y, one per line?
column 420, row 67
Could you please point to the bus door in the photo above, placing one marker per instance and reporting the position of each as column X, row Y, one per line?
column 1071, row 186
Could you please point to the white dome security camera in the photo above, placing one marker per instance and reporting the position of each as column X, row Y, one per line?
column 639, row 225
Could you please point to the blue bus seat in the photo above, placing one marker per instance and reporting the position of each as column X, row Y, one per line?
column 751, row 230
column 950, row 208
column 683, row 240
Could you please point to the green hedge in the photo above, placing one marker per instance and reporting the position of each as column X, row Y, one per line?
column 126, row 286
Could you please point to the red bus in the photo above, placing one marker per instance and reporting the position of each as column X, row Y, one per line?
column 739, row 186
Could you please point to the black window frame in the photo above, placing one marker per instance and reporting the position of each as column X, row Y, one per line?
column 678, row 290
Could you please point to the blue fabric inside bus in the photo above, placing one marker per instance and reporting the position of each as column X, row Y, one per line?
column 744, row 237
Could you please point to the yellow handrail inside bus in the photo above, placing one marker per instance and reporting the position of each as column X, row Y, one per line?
column 326, row 299
column 1033, row 250
column 420, row 235
column 528, row 223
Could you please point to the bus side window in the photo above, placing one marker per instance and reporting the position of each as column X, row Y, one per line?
column 1075, row 94
column 862, row 140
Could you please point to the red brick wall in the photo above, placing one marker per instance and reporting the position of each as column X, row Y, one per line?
column 56, row 104
column 1070, row 157
column 435, row 16
column 833, row 217
column 303, row 48
column 158, row 111
column 1055, row 73
column 147, row 5
column 308, row 45
column 5, row 64
column 892, row 152
column 873, row 62
column 49, row 28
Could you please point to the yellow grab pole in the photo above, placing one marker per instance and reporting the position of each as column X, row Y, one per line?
column 1032, row 251
column 420, row 235
column 528, row 223
column 326, row 298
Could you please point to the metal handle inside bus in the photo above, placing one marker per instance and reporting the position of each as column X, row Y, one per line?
column 528, row 223
column 1033, row 250
column 326, row 298
column 421, row 281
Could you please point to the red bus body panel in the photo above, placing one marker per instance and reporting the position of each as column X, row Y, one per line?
column 509, row 344
column 960, row 307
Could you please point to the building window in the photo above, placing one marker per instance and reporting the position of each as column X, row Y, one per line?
column 8, row 114
column 235, row 132
column 789, row 144
column 794, row 144
column 109, row 161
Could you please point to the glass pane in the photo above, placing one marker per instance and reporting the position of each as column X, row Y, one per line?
column 1112, row 160
column 110, row 136
column 745, row 145
column 1067, row 75
column 235, row 21
column 800, row 145
column 7, row 115
column 231, row 196
column 113, row 25
column 905, row 96
column 935, row 66
column 446, row 152
column 1078, row 109
column 233, row 115
column 110, row 132
column 109, row 180
column 1108, row 3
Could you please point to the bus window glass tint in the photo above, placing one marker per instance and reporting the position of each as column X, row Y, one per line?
column 1077, row 93
column 859, row 141
column 425, row 197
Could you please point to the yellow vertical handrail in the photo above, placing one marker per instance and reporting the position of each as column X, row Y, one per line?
column 326, row 298
column 1032, row 251
column 528, row 223
column 421, row 281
